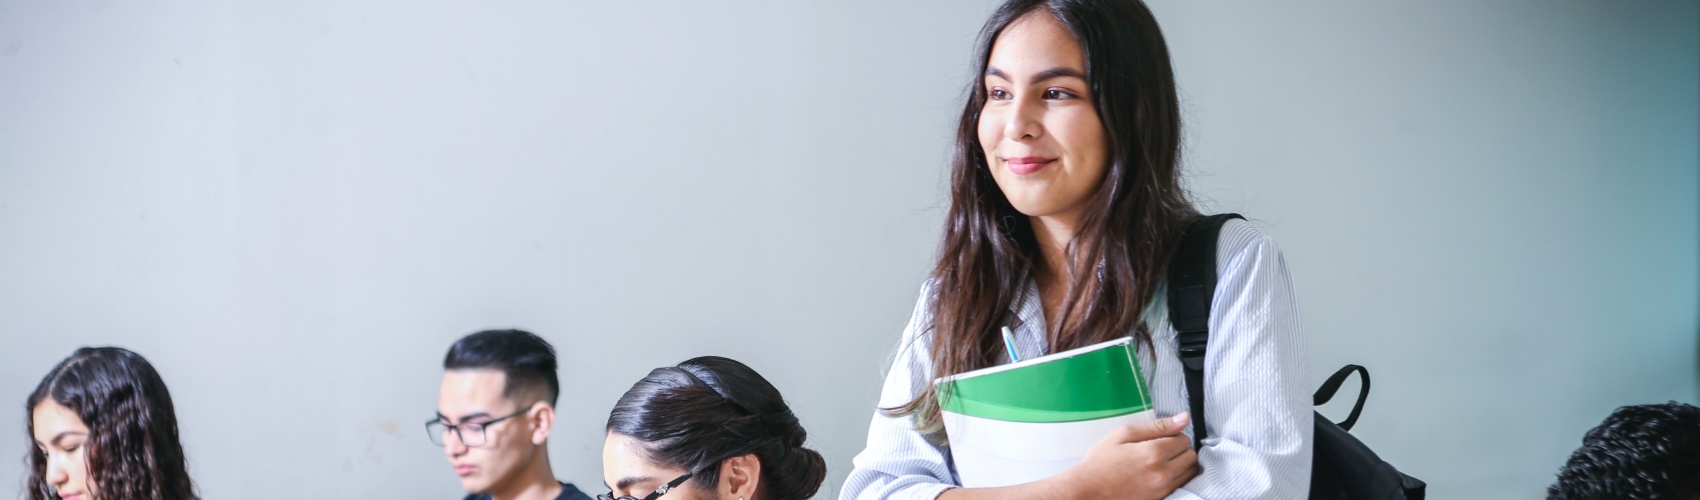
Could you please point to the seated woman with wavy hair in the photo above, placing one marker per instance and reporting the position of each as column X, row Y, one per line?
column 103, row 428
column 709, row 428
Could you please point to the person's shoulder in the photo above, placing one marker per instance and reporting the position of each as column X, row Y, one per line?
column 921, row 317
column 1239, row 238
column 1244, row 253
column 1239, row 234
column 928, row 288
column 570, row 492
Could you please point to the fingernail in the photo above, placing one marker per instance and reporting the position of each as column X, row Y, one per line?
column 1181, row 418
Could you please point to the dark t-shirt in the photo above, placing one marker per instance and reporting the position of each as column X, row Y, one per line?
column 568, row 492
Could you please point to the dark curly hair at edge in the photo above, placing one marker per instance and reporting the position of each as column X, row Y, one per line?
column 133, row 451
column 1644, row 451
column 705, row 410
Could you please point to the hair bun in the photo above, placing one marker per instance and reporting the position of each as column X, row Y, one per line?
column 796, row 473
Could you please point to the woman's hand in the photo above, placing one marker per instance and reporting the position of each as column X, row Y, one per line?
column 1141, row 461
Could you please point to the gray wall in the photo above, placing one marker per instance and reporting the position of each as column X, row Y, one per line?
column 293, row 208
column 1492, row 205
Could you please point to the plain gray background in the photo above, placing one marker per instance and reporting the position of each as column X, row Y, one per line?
column 293, row 208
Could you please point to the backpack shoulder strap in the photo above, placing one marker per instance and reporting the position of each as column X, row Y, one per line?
column 1192, row 284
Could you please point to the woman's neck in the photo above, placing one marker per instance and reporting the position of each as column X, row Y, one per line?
column 1053, row 234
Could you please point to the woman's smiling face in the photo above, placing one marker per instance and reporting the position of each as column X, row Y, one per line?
column 1040, row 131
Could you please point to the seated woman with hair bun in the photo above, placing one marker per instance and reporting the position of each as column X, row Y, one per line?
column 709, row 428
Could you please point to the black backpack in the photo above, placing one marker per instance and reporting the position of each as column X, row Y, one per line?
column 1341, row 466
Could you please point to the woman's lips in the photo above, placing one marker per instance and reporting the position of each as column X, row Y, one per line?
column 1027, row 164
column 464, row 470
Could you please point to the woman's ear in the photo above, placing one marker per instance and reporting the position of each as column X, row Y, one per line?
column 739, row 477
column 542, row 416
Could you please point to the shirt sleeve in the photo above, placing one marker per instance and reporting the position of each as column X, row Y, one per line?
column 900, row 462
column 1257, row 400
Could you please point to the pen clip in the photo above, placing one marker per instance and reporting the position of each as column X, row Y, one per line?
column 1009, row 344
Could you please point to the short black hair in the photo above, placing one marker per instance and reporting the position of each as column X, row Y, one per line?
column 1643, row 451
column 527, row 360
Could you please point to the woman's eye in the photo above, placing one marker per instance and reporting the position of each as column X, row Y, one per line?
column 1057, row 94
column 997, row 94
column 72, row 448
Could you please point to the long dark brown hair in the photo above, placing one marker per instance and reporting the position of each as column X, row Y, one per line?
column 1122, row 245
column 707, row 409
column 133, row 451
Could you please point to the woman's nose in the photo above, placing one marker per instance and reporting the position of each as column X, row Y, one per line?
column 1022, row 121
column 56, row 474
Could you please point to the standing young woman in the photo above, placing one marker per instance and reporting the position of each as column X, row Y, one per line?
column 1066, row 208
column 102, row 428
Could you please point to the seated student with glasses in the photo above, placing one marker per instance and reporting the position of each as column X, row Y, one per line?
column 494, row 415
column 709, row 428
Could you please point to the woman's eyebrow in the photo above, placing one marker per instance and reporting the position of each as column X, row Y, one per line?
column 628, row 482
column 63, row 435
column 1057, row 72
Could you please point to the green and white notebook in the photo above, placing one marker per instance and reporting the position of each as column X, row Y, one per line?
column 1025, row 421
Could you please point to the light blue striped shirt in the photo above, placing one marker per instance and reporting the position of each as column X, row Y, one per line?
column 1256, row 374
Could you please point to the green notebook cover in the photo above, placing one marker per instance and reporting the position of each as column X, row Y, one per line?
column 1025, row 421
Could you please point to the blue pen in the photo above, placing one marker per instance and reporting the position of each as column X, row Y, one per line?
column 1009, row 343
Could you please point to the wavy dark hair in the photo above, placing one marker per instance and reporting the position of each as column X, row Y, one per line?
column 133, row 451
column 1134, row 224
column 705, row 410
column 1642, row 451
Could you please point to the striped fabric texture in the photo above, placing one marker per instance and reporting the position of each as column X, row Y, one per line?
column 1257, row 375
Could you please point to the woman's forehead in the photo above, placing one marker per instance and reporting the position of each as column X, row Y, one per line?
column 52, row 419
column 625, row 460
column 1035, row 42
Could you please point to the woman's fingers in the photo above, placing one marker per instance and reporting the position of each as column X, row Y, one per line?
column 1183, row 476
column 1172, row 447
column 1144, row 460
column 1146, row 431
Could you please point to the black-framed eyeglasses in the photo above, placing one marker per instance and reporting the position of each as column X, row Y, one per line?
column 652, row 496
column 471, row 434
